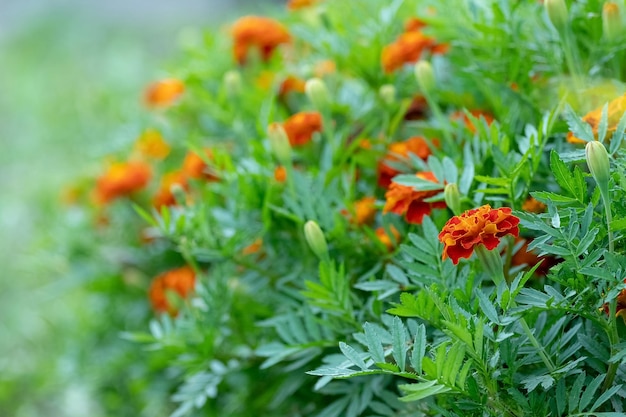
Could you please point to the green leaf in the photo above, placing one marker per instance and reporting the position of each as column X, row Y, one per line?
column 618, row 135
column 419, row 348
column 352, row 355
column 604, row 123
column 399, row 342
column 374, row 344
column 422, row 390
column 578, row 126
column 590, row 392
column 605, row 396
column 487, row 307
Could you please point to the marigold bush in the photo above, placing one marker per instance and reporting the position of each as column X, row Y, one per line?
column 359, row 246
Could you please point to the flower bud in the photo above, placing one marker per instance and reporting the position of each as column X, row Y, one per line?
column 232, row 83
column 557, row 12
column 425, row 76
column 611, row 21
column 279, row 142
column 316, row 240
column 317, row 93
column 387, row 93
column 452, row 197
column 598, row 163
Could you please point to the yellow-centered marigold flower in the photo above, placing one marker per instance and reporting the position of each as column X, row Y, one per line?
column 152, row 145
column 122, row 179
column 301, row 126
column 257, row 32
column 616, row 109
column 163, row 93
column 402, row 199
column 180, row 281
column 482, row 225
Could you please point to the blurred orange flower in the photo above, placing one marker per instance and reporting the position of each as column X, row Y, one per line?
column 616, row 109
column 122, row 179
column 620, row 310
column 483, row 225
column 151, row 144
column 397, row 151
column 461, row 116
column 163, row 93
column 364, row 211
column 325, row 67
column 402, row 199
column 164, row 196
column 180, row 281
column 417, row 109
column 301, row 126
column 253, row 248
column 195, row 167
column 533, row 205
column 389, row 241
column 291, row 84
column 280, row 174
column 300, row 4
column 530, row 258
column 257, row 32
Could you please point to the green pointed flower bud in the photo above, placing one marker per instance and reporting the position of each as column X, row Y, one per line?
column 598, row 163
column 452, row 197
column 279, row 142
column 387, row 94
column 611, row 21
column 316, row 240
column 557, row 12
column 425, row 76
column 317, row 93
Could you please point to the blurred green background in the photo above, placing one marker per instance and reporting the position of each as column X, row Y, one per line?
column 71, row 77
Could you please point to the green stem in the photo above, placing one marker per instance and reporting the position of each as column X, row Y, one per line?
column 604, row 191
column 614, row 340
column 441, row 119
column 544, row 356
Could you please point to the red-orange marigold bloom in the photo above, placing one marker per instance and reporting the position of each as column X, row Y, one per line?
column 532, row 205
column 260, row 32
column 280, row 174
column 253, row 248
column 301, row 126
column 291, row 84
column 406, row 49
column 300, row 4
column 530, row 258
column 416, row 145
column 364, row 211
column 621, row 305
column 402, row 199
column 387, row 240
column 196, row 167
column 414, row 24
column 164, row 196
column 151, row 144
column 122, row 179
column 616, row 109
column 460, row 115
column 180, row 280
column 163, row 93
column 482, row 225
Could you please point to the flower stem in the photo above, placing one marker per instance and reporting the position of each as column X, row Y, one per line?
column 609, row 217
column 614, row 340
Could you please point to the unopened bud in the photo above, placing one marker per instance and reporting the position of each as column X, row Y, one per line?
column 317, row 93
column 279, row 142
column 387, row 93
column 452, row 197
column 232, row 83
column 611, row 21
column 598, row 163
column 425, row 76
column 316, row 240
column 557, row 12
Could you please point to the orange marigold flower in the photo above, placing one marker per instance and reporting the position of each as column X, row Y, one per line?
column 291, row 84
column 196, row 167
column 414, row 24
column 122, row 179
column 163, row 93
column 180, row 281
column 402, row 199
column 389, row 241
column 253, row 248
column 300, row 4
column 164, row 196
column 151, row 144
column 483, row 225
column 461, row 116
column 397, row 151
column 301, row 126
column 532, row 205
column 280, row 174
column 259, row 32
column 525, row 257
column 616, row 109
column 364, row 211
column 406, row 49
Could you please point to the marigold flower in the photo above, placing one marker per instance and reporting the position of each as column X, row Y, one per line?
column 620, row 309
column 482, row 225
column 389, row 241
column 253, row 248
column 532, row 205
column 180, row 281
column 616, row 109
column 417, row 109
column 364, row 211
column 461, row 116
column 301, row 126
column 164, row 196
column 259, row 32
column 406, row 49
column 397, row 151
column 300, row 4
column 122, row 179
column 163, row 93
column 414, row 24
column 196, row 167
column 402, row 199
column 325, row 67
column 280, row 174
column 525, row 257
column 291, row 84
column 151, row 144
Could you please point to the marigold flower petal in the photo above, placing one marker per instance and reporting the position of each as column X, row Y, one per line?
column 180, row 280
column 301, row 126
column 257, row 32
